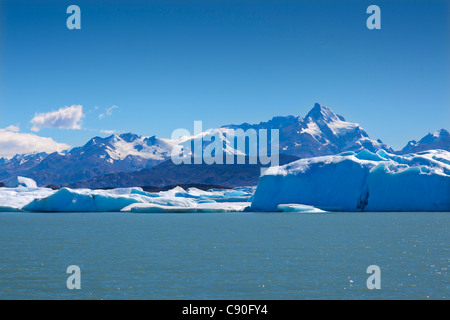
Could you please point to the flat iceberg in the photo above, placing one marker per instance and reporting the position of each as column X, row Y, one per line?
column 363, row 181
column 197, row 208
column 157, row 208
column 292, row 207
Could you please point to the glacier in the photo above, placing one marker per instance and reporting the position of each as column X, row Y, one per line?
column 363, row 181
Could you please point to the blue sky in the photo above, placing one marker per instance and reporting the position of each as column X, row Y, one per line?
column 164, row 64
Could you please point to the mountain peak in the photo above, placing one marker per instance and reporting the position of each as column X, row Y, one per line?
column 436, row 140
column 276, row 122
column 129, row 137
column 442, row 133
column 321, row 112
column 150, row 141
column 435, row 136
column 114, row 136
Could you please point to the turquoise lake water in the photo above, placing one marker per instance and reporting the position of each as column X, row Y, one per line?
column 224, row 256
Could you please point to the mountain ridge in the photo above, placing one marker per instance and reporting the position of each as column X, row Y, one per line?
column 436, row 140
column 321, row 132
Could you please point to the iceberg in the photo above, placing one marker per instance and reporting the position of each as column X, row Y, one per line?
column 21, row 182
column 157, row 208
column 14, row 199
column 195, row 208
column 363, row 181
column 298, row 208
column 82, row 200
column 121, row 199
column 350, row 181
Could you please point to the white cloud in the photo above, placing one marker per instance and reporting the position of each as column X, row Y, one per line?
column 12, row 142
column 108, row 131
column 108, row 112
column 12, row 128
column 64, row 118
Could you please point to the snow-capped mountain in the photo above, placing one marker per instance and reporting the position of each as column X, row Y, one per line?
column 128, row 145
column 321, row 132
column 117, row 153
column 437, row 140
column 19, row 164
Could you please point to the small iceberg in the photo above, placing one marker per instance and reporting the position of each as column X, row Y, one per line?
column 20, row 182
column 292, row 207
column 194, row 208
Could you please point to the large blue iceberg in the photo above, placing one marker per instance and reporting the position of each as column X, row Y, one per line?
column 362, row 181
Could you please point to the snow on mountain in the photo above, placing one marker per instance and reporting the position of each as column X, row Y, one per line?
column 321, row 132
column 207, row 137
column 437, row 140
column 117, row 153
column 20, row 164
column 275, row 123
column 363, row 181
column 119, row 147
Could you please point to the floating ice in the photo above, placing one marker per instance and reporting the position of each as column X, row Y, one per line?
column 21, row 182
column 156, row 208
column 298, row 208
column 122, row 199
column 356, row 182
column 82, row 200
column 197, row 208
column 14, row 199
column 348, row 182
